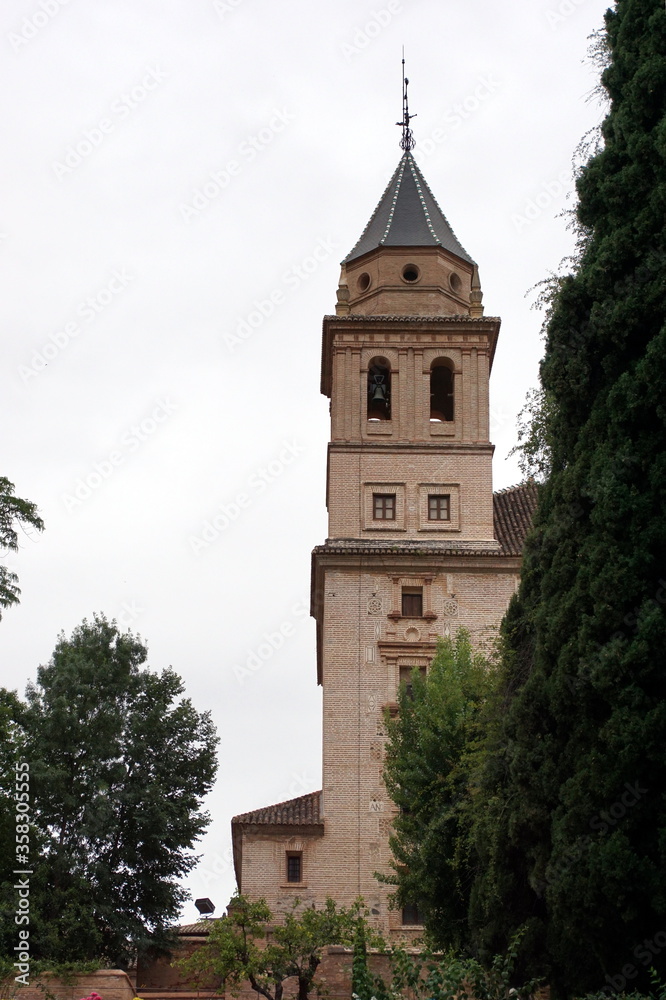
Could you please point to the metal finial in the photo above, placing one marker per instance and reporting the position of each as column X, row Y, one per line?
column 407, row 138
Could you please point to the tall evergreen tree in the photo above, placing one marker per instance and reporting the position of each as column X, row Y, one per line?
column 572, row 821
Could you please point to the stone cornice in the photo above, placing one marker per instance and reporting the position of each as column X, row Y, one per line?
column 442, row 320
column 398, row 547
column 413, row 331
column 415, row 447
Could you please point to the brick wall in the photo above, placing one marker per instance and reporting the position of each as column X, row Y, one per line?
column 110, row 984
column 157, row 972
column 363, row 639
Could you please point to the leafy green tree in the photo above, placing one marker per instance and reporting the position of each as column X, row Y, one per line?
column 14, row 513
column 425, row 974
column 119, row 764
column 249, row 944
column 432, row 749
column 571, row 824
column 533, row 448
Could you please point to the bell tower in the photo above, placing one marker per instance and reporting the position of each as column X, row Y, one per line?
column 411, row 552
column 417, row 544
column 406, row 362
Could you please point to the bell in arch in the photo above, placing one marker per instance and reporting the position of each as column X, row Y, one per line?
column 379, row 390
column 379, row 393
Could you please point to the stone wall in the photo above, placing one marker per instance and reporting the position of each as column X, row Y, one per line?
column 158, row 974
column 110, row 984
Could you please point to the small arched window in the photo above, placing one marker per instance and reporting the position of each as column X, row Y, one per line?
column 379, row 389
column 441, row 391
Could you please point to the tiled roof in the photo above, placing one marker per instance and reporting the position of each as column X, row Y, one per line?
column 201, row 927
column 412, row 547
column 513, row 512
column 303, row 811
column 407, row 216
column 453, row 318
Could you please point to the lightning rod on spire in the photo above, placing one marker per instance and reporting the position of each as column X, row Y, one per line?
column 407, row 138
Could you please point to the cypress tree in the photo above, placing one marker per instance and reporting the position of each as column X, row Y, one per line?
column 572, row 817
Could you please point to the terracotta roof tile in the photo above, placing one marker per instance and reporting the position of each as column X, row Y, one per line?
column 303, row 811
column 513, row 512
column 437, row 318
column 201, row 927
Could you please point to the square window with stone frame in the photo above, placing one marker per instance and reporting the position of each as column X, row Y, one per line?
column 383, row 506
column 411, row 916
column 439, row 507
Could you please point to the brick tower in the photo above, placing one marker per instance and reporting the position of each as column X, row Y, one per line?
column 417, row 547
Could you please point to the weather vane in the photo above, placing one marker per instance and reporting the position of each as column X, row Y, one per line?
column 407, row 138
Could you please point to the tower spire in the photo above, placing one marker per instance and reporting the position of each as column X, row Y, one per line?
column 407, row 138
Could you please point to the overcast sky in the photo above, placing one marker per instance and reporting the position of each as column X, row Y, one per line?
column 181, row 180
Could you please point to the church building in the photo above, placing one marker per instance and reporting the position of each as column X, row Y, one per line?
column 418, row 546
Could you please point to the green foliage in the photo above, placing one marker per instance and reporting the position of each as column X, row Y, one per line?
column 250, row 944
column 362, row 980
column 428, row 975
column 434, row 745
column 14, row 512
column 119, row 765
column 534, row 449
column 571, row 821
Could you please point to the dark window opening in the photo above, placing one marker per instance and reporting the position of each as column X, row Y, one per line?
column 406, row 678
column 379, row 390
column 441, row 393
column 412, row 602
column 294, row 867
column 439, row 508
column 383, row 506
column 411, row 915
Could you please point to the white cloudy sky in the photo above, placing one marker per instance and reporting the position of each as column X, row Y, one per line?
column 133, row 409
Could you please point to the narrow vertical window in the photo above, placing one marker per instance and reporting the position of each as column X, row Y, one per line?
column 412, row 602
column 379, row 389
column 441, row 392
column 295, row 866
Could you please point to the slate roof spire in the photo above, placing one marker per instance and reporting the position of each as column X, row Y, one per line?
column 407, row 216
